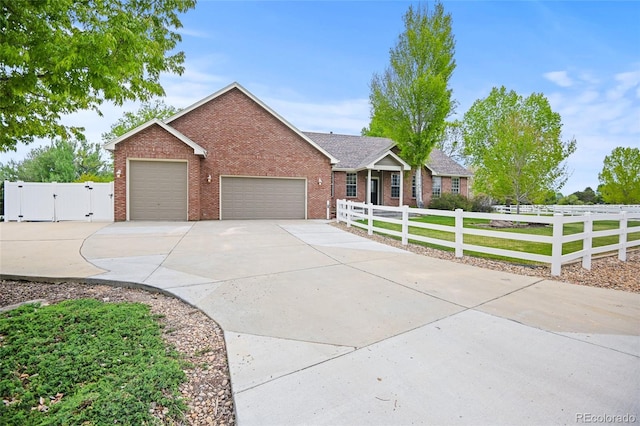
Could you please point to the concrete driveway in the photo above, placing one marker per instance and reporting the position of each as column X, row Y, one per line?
column 324, row 327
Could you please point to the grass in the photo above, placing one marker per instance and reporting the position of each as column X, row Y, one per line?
column 86, row 362
column 508, row 244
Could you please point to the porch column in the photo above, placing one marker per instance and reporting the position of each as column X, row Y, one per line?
column 368, row 186
column 401, row 187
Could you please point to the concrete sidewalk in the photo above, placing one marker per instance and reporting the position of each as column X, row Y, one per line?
column 324, row 327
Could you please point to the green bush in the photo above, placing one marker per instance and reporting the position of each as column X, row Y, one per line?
column 482, row 203
column 450, row 202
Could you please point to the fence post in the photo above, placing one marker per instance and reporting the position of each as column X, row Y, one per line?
column 587, row 243
column 459, row 232
column 55, row 197
column 338, row 203
column 20, row 189
column 622, row 251
column 405, row 225
column 348, row 210
column 370, row 219
column 328, row 210
column 556, row 244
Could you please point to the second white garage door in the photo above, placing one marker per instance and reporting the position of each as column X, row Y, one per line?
column 262, row 198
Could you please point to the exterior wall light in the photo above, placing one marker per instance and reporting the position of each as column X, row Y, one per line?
column 119, row 173
column 209, row 178
column 320, row 181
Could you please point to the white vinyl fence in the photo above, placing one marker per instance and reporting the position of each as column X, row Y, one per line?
column 35, row 201
column 363, row 216
column 572, row 210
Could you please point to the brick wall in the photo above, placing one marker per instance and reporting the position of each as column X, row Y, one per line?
column 385, row 182
column 386, row 189
column 243, row 139
column 464, row 186
column 426, row 188
column 157, row 144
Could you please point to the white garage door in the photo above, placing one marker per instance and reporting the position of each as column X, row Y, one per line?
column 263, row 198
column 157, row 190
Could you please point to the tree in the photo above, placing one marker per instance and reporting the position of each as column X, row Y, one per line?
column 411, row 99
column 620, row 176
column 515, row 146
column 131, row 120
column 59, row 57
column 62, row 161
column 452, row 142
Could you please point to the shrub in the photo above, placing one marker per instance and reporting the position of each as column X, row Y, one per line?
column 450, row 202
column 482, row 203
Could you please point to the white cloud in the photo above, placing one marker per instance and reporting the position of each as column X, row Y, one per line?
column 561, row 78
column 601, row 112
column 192, row 33
column 626, row 81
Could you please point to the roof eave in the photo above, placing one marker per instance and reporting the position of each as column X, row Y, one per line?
column 197, row 149
column 444, row 174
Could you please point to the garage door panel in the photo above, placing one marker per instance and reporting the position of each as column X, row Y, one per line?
column 263, row 198
column 157, row 190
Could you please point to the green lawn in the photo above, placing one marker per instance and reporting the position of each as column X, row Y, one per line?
column 86, row 362
column 507, row 244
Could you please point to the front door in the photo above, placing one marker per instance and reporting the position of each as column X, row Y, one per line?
column 375, row 191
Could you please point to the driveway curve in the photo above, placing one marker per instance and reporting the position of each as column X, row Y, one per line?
column 325, row 327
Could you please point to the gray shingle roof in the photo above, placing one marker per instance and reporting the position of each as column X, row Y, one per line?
column 441, row 164
column 354, row 152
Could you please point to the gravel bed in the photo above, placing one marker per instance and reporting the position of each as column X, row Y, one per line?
column 606, row 271
column 199, row 339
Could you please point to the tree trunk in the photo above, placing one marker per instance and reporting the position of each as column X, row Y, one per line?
column 419, row 200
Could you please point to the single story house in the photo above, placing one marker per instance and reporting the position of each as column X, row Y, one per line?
column 230, row 156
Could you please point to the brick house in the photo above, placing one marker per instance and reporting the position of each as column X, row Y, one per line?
column 229, row 156
column 370, row 170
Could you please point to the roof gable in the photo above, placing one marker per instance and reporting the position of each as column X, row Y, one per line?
column 262, row 105
column 386, row 160
column 355, row 152
column 197, row 149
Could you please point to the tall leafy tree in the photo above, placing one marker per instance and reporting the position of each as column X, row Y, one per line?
column 59, row 57
column 61, row 161
column 130, row 120
column 620, row 176
column 515, row 146
column 411, row 99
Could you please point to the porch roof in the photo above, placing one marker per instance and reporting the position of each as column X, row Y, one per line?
column 358, row 152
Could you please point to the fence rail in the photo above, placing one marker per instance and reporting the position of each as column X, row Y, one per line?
column 571, row 210
column 365, row 215
column 51, row 201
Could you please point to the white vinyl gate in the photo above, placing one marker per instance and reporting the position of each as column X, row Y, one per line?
column 36, row 201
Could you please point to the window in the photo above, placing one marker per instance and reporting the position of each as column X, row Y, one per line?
column 413, row 186
column 352, row 184
column 436, row 188
column 455, row 185
column 395, row 185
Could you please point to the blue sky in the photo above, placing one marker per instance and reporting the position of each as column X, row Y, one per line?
column 312, row 61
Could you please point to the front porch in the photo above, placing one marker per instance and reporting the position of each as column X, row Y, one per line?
column 383, row 179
